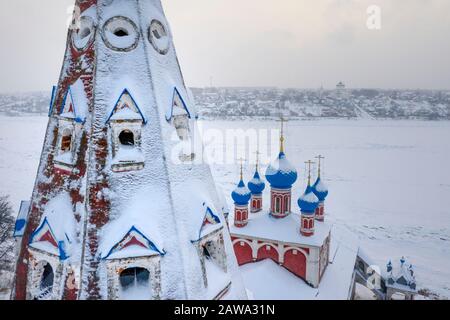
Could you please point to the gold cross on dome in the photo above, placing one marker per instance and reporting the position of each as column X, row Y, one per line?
column 283, row 121
column 257, row 159
column 320, row 157
column 309, row 163
column 242, row 167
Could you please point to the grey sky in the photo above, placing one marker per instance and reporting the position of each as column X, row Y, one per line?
column 285, row 43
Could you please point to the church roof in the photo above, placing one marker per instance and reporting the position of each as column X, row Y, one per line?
column 241, row 195
column 281, row 174
column 320, row 189
column 256, row 185
column 264, row 226
column 56, row 231
column 308, row 202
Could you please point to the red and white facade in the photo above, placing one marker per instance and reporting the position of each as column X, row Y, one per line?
column 280, row 202
column 280, row 240
column 256, row 203
column 240, row 215
column 320, row 211
column 307, row 225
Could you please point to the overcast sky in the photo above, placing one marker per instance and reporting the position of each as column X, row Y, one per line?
column 284, row 43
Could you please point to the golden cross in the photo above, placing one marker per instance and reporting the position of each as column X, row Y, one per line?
column 320, row 157
column 257, row 159
column 242, row 167
column 283, row 121
column 309, row 163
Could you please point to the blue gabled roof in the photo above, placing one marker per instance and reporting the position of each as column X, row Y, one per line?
column 69, row 92
column 22, row 219
column 214, row 216
column 150, row 243
column 61, row 245
column 169, row 115
column 50, row 109
column 126, row 91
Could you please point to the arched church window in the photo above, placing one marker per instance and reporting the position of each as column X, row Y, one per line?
column 47, row 278
column 66, row 141
column 126, row 138
column 286, row 204
column 277, row 204
column 133, row 277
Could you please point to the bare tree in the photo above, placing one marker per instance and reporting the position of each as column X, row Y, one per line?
column 6, row 231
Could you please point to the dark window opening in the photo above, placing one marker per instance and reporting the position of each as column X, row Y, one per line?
column 66, row 143
column 47, row 278
column 126, row 138
column 206, row 253
column 121, row 32
column 134, row 276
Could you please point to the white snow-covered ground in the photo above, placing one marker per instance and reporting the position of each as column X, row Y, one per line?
column 389, row 181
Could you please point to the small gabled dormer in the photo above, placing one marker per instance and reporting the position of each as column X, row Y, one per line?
column 125, row 123
column 211, row 248
column 179, row 115
column 69, row 120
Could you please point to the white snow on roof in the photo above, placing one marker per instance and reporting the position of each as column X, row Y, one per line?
column 280, row 165
column 287, row 230
column 309, row 197
column 321, row 186
column 145, row 212
column 281, row 284
column 60, row 216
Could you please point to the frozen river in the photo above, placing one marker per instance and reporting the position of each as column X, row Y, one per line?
column 389, row 181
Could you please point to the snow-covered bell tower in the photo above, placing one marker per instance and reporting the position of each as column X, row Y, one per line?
column 256, row 186
column 321, row 191
column 241, row 196
column 281, row 175
column 308, row 203
column 121, row 207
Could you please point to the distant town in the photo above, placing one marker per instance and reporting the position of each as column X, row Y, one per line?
column 230, row 103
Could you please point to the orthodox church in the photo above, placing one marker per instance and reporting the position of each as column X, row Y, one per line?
column 298, row 242
column 115, row 213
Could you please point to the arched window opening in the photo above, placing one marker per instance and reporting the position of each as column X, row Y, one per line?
column 181, row 123
column 277, row 205
column 135, row 284
column 66, row 142
column 126, row 138
column 47, row 278
column 286, row 204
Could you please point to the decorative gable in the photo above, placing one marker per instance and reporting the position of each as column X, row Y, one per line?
column 134, row 239
column 210, row 220
column 126, row 109
column 178, row 106
column 44, row 239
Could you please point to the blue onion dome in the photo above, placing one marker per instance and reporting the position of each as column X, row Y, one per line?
column 320, row 189
column 241, row 195
column 281, row 174
column 308, row 202
column 256, row 185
